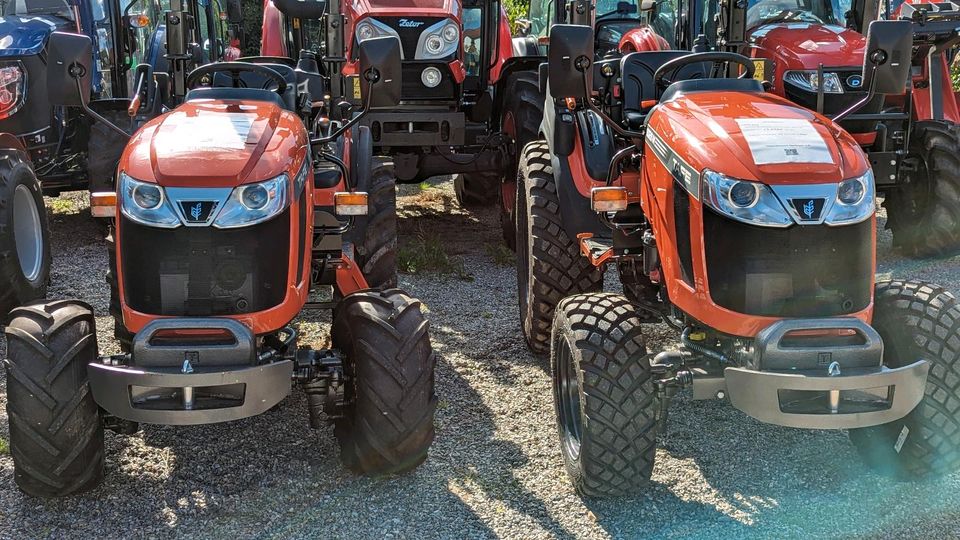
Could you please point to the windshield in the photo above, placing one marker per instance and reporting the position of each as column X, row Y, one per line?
column 799, row 11
column 35, row 7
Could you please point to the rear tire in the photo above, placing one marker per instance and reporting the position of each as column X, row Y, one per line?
column 56, row 435
column 389, row 363
column 24, row 234
column 549, row 264
column 104, row 148
column 374, row 236
column 604, row 395
column 475, row 190
column 918, row 320
column 924, row 214
column 521, row 120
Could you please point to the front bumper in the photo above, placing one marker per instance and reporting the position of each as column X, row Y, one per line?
column 416, row 128
column 186, row 382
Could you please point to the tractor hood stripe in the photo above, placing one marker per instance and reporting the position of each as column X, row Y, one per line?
column 682, row 171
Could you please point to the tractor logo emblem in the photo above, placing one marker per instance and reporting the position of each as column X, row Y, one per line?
column 855, row 81
column 808, row 209
column 198, row 212
column 407, row 23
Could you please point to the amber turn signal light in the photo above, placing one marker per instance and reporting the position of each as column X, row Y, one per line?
column 350, row 203
column 139, row 21
column 103, row 204
column 608, row 199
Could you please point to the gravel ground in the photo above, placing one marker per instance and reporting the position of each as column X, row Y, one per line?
column 495, row 469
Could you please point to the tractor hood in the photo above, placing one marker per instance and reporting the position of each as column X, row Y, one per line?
column 213, row 143
column 24, row 36
column 411, row 8
column 806, row 45
column 759, row 137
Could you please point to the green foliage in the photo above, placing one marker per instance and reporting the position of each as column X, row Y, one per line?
column 425, row 254
column 516, row 9
column 252, row 18
column 499, row 253
column 955, row 72
column 4, row 446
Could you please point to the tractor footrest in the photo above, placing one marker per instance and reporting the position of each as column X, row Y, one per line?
column 597, row 250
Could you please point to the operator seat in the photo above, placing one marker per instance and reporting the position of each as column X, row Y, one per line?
column 637, row 70
column 251, row 88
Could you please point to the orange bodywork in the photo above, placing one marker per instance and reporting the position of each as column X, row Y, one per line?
column 225, row 144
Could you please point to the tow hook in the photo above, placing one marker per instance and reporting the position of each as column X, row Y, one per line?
column 671, row 375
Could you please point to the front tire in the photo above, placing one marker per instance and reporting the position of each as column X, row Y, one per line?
column 521, row 120
column 924, row 213
column 374, row 236
column 56, row 435
column 918, row 320
column 389, row 363
column 24, row 234
column 549, row 264
column 604, row 395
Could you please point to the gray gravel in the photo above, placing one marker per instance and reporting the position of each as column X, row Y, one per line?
column 495, row 469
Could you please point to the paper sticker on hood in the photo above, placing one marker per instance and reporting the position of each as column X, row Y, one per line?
column 221, row 131
column 784, row 140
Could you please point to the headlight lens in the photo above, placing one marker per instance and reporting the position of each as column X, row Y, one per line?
column 809, row 81
column 246, row 205
column 145, row 204
column 856, row 201
column 365, row 31
column 431, row 77
column 12, row 86
column 439, row 40
column 371, row 28
column 731, row 196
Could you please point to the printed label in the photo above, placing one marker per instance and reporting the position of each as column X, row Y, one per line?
column 784, row 140
column 901, row 439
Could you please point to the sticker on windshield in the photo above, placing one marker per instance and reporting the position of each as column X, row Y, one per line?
column 784, row 140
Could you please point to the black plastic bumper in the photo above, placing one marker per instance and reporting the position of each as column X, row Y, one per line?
column 416, row 128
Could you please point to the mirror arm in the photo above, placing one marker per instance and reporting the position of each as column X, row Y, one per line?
column 860, row 104
column 603, row 116
column 352, row 122
column 96, row 116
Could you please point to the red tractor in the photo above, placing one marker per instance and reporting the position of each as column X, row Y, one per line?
column 747, row 223
column 469, row 96
column 231, row 208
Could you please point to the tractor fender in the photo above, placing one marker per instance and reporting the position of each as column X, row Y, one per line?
column 511, row 66
column 9, row 142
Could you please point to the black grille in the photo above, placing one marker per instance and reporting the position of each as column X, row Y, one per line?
column 802, row 271
column 409, row 29
column 413, row 87
column 834, row 104
column 204, row 271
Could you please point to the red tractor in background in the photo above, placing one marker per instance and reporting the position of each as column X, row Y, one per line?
column 468, row 95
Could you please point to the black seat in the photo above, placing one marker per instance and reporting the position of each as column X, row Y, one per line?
column 680, row 88
column 252, row 87
column 637, row 70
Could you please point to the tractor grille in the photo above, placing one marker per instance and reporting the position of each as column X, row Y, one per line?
column 802, row 271
column 413, row 88
column 409, row 29
column 204, row 271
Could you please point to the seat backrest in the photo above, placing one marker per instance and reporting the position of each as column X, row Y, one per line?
column 253, row 80
column 637, row 70
column 239, row 94
column 727, row 84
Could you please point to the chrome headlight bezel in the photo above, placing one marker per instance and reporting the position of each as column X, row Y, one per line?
column 162, row 216
column 766, row 210
column 447, row 47
column 842, row 213
column 19, row 87
column 808, row 80
column 236, row 214
column 377, row 28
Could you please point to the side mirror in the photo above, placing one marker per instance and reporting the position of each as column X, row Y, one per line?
column 302, row 9
column 571, row 55
column 380, row 68
column 70, row 59
column 886, row 64
column 648, row 5
column 234, row 12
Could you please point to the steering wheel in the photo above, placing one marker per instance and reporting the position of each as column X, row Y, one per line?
column 716, row 58
column 235, row 69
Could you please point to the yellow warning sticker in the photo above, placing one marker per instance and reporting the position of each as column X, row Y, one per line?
column 356, row 88
column 759, row 67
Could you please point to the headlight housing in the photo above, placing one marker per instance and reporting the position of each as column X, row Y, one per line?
column 370, row 28
column 809, row 81
column 729, row 196
column 439, row 40
column 855, row 202
column 239, row 211
column 13, row 84
column 146, row 204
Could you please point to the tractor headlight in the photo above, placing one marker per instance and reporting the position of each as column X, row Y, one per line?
column 13, row 87
column 810, row 81
column 749, row 202
column 145, row 203
column 439, row 40
column 254, row 203
column 370, row 28
column 856, row 201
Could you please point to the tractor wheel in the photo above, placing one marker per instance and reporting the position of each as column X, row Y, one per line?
column 24, row 235
column 549, row 264
column 56, row 435
column 476, row 189
column 918, row 320
column 104, row 148
column 604, row 395
column 924, row 213
column 374, row 236
column 521, row 121
column 389, row 365
column 123, row 336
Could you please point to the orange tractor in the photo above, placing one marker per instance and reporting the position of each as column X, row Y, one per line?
column 229, row 212
column 745, row 222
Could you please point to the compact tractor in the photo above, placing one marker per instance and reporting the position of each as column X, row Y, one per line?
column 747, row 223
column 469, row 100
column 230, row 213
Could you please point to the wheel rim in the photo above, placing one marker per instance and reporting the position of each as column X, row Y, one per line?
column 27, row 233
column 568, row 400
